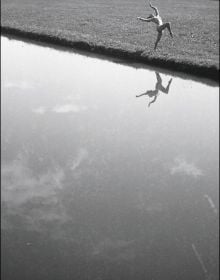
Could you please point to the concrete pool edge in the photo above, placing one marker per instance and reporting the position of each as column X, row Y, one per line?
column 210, row 72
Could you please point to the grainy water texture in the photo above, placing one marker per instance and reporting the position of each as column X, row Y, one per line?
column 96, row 184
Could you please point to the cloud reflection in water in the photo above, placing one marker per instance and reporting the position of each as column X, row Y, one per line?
column 181, row 166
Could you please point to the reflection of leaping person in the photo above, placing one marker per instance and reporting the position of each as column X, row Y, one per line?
column 160, row 25
column 158, row 87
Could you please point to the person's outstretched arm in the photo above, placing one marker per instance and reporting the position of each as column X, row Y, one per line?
column 155, row 9
column 145, row 19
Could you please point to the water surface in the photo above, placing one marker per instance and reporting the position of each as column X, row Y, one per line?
column 98, row 183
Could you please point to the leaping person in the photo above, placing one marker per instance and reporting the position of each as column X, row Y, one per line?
column 160, row 25
column 158, row 87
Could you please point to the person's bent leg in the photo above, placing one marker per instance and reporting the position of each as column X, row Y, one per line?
column 168, row 26
column 159, row 80
column 158, row 39
column 166, row 90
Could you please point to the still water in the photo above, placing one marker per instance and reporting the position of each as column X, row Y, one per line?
column 98, row 184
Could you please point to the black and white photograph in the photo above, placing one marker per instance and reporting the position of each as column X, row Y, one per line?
column 109, row 140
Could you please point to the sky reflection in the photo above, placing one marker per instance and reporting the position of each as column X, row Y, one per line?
column 97, row 185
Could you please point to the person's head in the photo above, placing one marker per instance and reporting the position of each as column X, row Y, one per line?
column 150, row 16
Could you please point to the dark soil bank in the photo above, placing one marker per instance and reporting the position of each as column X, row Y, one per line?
column 211, row 72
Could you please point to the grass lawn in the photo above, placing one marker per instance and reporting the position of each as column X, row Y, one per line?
column 113, row 24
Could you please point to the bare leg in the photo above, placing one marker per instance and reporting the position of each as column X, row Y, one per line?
column 165, row 90
column 168, row 26
column 168, row 86
column 159, row 80
column 158, row 39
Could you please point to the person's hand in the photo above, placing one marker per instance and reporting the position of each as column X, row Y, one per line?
column 138, row 17
column 150, row 4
